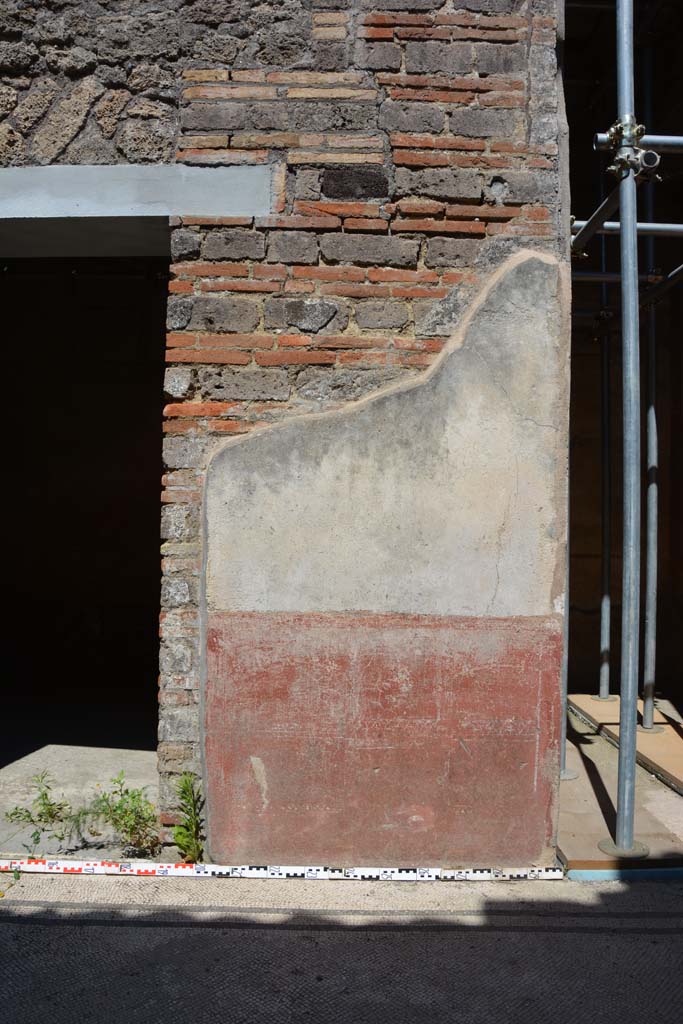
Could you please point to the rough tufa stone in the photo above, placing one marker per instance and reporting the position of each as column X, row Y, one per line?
column 178, row 381
column 109, row 109
column 381, row 314
column 90, row 147
column 8, row 100
column 317, row 385
column 451, row 252
column 500, row 58
column 370, row 249
column 73, row 62
column 178, row 312
column 355, row 182
column 179, row 522
column 148, row 141
column 307, row 184
column 184, row 243
column 185, row 452
column 17, row 57
column 244, row 385
column 432, row 58
column 378, row 56
column 12, row 146
column 309, row 315
column 292, row 247
column 224, row 313
column 411, row 117
column 440, row 183
column 175, row 593
column 234, row 245
column 486, row 123
column 35, row 104
column 64, row 121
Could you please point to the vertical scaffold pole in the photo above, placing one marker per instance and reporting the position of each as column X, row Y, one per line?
column 624, row 844
column 650, row 638
column 606, row 514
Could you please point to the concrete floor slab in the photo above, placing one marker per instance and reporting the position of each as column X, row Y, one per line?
column 587, row 806
column 77, row 772
column 660, row 751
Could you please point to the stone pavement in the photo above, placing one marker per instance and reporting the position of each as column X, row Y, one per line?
column 202, row 950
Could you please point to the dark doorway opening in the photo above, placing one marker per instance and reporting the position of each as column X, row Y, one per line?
column 589, row 62
column 84, row 335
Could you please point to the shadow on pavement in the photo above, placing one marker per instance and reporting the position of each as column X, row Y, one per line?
column 614, row 959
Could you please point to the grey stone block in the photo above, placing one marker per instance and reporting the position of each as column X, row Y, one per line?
column 175, row 593
column 307, row 184
column 308, row 315
column 65, row 120
column 184, row 452
column 440, row 183
column 378, row 56
column 234, row 244
column 432, row 58
column 35, row 104
column 381, row 314
column 176, row 657
column 179, row 725
column 17, row 57
column 184, row 243
column 355, row 182
column 486, row 122
column 403, row 5
column 500, row 58
column 331, row 116
column 292, row 247
column 178, row 381
column 90, row 147
column 230, row 116
column 411, row 117
column 243, row 385
column 451, row 252
column 224, row 313
column 179, row 522
column 178, row 312
column 370, row 249
column 12, row 146
column 318, row 385
column 73, row 62
column 149, row 141
column 8, row 99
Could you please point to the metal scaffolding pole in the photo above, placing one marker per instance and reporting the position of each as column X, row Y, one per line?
column 655, row 293
column 606, row 503
column 613, row 227
column 661, row 143
column 585, row 229
column 624, row 844
column 651, row 539
column 605, row 492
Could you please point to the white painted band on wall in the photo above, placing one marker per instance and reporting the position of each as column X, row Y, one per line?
column 131, row 190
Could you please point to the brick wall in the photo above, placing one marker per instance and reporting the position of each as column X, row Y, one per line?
column 413, row 146
column 402, row 177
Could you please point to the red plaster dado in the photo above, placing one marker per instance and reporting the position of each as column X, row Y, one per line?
column 347, row 739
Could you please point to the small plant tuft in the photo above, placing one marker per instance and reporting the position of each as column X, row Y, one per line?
column 46, row 815
column 130, row 813
column 127, row 811
column 188, row 835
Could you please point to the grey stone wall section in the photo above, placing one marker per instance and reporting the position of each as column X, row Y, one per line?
column 441, row 497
